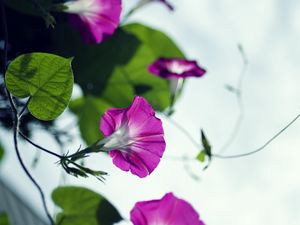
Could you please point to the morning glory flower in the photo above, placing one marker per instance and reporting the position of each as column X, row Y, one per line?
column 169, row 210
column 176, row 68
column 96, row 20
column 134, row 137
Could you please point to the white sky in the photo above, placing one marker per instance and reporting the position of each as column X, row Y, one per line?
column 261, row 189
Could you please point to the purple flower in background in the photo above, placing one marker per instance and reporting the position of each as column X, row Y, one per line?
column 169, row 210
column 176, row 68
column 96, row 20
column 134, row 137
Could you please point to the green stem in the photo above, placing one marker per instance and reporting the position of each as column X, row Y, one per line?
column 140, row 4
column 16, row 119
column 260, row 148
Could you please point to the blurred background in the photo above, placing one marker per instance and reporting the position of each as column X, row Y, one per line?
column 259, row 189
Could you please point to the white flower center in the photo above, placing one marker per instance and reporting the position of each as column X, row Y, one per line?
column 120, row 139
column 176, row 67
column 173, row 85
column 83, row 7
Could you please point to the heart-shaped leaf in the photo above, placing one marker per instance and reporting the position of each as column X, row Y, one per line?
column 81, row 206
column 113, row 72
column 46, row 78
column 116, row 70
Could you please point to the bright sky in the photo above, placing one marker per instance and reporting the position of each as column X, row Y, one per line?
column 260, row 189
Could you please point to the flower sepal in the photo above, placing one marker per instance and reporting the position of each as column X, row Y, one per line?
column 81, row 154
column 77, row 170
column 59, row 7
column 72, row 167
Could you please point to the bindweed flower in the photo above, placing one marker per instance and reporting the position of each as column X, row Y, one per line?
column 134, row 137
column 169, row 210
column 96, row 20
column 176, row 68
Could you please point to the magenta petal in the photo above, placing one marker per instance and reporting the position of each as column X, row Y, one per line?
column 142, row 161
column 176, row 68
column 96, row 20
column 119, row 160
column 134, row 136
column 112, row 120
column 169, row 210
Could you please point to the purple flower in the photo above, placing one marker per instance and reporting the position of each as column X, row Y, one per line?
column 96, row 20
column 176, row 68
column 169, row 210
column 134, row 137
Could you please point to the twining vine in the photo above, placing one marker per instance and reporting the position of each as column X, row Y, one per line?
column 130, row 131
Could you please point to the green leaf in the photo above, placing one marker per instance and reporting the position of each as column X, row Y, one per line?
column 158, row 42
column 4, row 220
column 46, row 78
column 89, row 110
column 111, row 73
column 81, row 206
column 1, row 152
column 201, row 156
column 205, row 152
column 206, row 145
column 116, row 69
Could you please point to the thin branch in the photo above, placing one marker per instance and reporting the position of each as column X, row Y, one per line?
column 260, row 148
column 239, row 97
column 16, row 119
column 15, row 128
column 40, row 147
column 229, row 156
column 140, row 4
column 184, row 131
